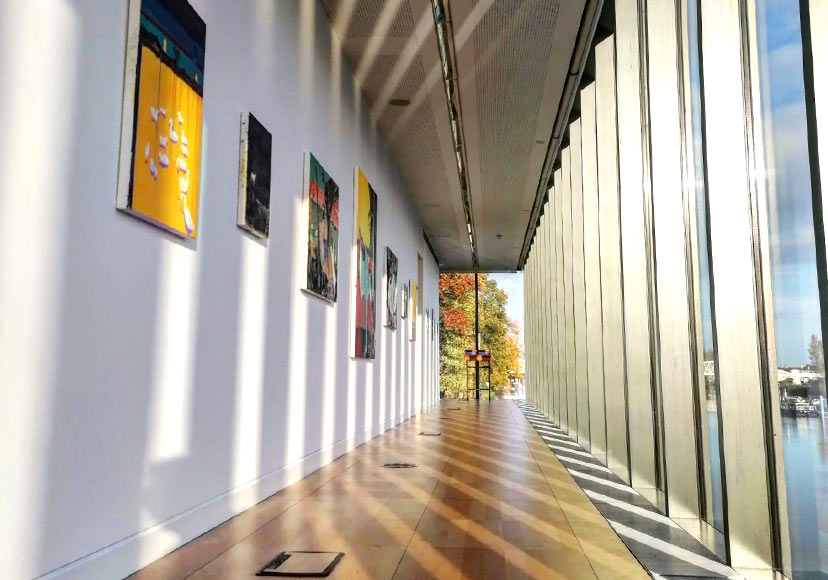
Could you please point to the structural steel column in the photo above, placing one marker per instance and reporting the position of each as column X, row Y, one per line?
column 814, row 18
column 631, row 132
column 578, row 284
column 592, row 277
column 547, row 277
column 561, row 301
column 553, row 294
column 569, row 335
column 543, row 384
column 672, row 254
column 743, row 371
column 609, row 223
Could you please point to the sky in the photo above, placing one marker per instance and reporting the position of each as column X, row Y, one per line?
column 793, row 256
column 513, row 285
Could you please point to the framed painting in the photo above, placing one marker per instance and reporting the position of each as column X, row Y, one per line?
column 321, row 203
column 414, row 291
column 404, row 301
column 254, row 177
column 365, row 251
column 390, row 289
column 160, row 155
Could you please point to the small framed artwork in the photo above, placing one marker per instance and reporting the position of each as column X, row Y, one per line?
column 321, row 206
column 160, row 155
column 414, row 291
column 404, row 302
column 254, row 177
column 390, row 289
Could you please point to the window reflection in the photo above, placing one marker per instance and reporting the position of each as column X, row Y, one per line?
column 714, row 514
column 801, row 373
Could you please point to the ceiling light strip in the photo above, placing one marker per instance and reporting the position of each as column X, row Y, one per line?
column 586, row 33
column 448, row 60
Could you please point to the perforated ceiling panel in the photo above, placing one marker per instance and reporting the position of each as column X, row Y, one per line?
column 512, row 60
column 508, row 95
column 365, row 15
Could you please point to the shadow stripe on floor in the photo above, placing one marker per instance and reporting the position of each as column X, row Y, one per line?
column 661, row 545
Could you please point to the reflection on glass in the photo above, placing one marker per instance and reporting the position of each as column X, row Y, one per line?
column 710, row 404
column 801, row 373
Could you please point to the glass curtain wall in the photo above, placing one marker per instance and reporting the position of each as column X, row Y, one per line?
column 710, row 415
column 796, row 304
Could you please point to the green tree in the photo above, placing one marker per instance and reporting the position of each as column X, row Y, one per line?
column 497, row 332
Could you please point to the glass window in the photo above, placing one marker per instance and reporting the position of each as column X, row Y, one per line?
column 801, row 373
column 709, row 400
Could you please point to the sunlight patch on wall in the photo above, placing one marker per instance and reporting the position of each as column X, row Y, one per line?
column 169, row 415
column 35, row 172
column 250, row 361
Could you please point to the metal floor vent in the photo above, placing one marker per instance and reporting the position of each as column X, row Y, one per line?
column 399, row 465
column 302, row 564
column 454, row 409
column 430, row 433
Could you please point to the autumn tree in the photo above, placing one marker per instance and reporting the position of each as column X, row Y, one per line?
column 497, row 332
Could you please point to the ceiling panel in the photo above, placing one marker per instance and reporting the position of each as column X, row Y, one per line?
column 512, row 61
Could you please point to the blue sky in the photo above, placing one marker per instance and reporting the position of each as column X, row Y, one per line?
column 513, row 285
column 793, row 257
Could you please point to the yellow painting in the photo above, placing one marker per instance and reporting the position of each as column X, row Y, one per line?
column 163, row 116
column 365, row 246
column 167, row 166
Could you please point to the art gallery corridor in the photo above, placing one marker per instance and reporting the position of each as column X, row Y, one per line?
column 487, row 499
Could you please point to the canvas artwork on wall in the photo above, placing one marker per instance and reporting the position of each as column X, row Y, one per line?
column 365, row 247
column 390, row 289
column 160, row 163
column 321, row 196
column 254, row 177
column 404, row 302
column 414, row 290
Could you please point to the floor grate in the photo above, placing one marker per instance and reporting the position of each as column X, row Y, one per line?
column 399, row 465
column 430, row 434
column 302, row 564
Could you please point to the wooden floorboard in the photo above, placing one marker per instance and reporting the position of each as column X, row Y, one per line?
column 487, row 500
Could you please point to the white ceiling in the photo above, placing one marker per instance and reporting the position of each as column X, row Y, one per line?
column 512, row 61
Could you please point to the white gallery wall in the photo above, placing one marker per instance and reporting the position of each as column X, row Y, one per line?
column 152, row 387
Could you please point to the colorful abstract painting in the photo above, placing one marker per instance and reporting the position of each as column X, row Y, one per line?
column 365, row 247
column 414, row 290
column 254, row 177
column 321, row 195
column 390, row 289
column 160, row 166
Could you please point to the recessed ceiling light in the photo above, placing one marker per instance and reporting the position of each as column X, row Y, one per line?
column 399, row 102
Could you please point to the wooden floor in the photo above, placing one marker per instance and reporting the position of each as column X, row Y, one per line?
column 487, row 499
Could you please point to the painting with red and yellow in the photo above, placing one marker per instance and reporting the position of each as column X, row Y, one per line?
column 166, row 99
column 365, row 242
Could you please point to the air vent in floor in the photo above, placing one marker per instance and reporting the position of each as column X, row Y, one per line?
column 302, row 564
column 399, row 465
